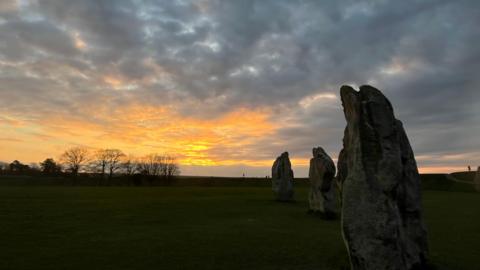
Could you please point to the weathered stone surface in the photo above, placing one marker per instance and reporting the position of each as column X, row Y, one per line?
column 342, row 171
column 282, row 178
column 381, row 196
column 477, row 179
column 322, row 197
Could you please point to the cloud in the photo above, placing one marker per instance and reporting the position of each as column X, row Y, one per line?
column 206, row 61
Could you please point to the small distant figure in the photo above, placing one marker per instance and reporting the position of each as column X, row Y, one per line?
column 243, row 175
column 469, row 168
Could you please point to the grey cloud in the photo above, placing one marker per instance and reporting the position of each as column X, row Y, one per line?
column 21, row 39
column 222, row 55
column 113, row 24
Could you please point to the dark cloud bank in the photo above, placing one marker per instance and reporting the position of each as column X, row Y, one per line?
column 210, row 57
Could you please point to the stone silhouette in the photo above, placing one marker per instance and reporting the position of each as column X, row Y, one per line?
column 381, row 196
column 282, row 178
column 342, row 171
column 477, row 180
column 322, row 192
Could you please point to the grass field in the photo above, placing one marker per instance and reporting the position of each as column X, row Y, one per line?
column 464, row 176
column 429, row 181
column 200, row 228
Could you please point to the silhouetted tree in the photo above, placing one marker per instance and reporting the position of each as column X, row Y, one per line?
column 99, row 164
column 3, row 167
column 156, row 166
column 74, row 159
column 129, row 168
column 150, row 167
column 17, row 167
column 129, row 165
column 114, row 157
column 170, row 167
column 107, row 160
column 33, row 169
column 50, row 167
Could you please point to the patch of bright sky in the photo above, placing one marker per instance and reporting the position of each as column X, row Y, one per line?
column 213, row 45
column 245, row 69
column 360, row 8
column 312, row 99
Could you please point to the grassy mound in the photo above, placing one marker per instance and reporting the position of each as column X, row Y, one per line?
column 464, row 176
column 441, row 182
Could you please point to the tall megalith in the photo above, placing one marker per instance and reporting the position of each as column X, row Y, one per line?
column 282, row 178
column 381, row 194
column 322, row 199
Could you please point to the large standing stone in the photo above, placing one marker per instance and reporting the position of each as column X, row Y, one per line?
column 477, row 179
column 322, row 192
column 381, row 195
column 282, row 178
column 342, row 171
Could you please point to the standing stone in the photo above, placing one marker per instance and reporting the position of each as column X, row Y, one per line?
column 282, row 178
column 322, row 191
column 381, row 194
column 342, row 171
column 477, row 179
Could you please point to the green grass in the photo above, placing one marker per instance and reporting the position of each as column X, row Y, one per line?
column 180, row 181
column 453, row 222
column 200, row 228
column 429, row 182
column 440, row 182
column 464, row 176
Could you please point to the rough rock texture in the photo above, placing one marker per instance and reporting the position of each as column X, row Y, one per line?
column 282, row 178
column 322, row 192
column 381, row 196
column 342, row 171
column 477, row 179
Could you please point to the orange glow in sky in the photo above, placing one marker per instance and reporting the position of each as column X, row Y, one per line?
column 139, row 130
column 78, row 42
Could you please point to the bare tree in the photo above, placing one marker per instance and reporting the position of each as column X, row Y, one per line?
column 129, row 165
column 150, row 165
column 100, row 162
column 171, row 168
column 74, row 159
column 156, row 166
column 107, row 161
column 114, row 158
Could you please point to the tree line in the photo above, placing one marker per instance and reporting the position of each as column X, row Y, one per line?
column 105, row 164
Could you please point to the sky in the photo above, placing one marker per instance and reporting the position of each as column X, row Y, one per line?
column 227, row 86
